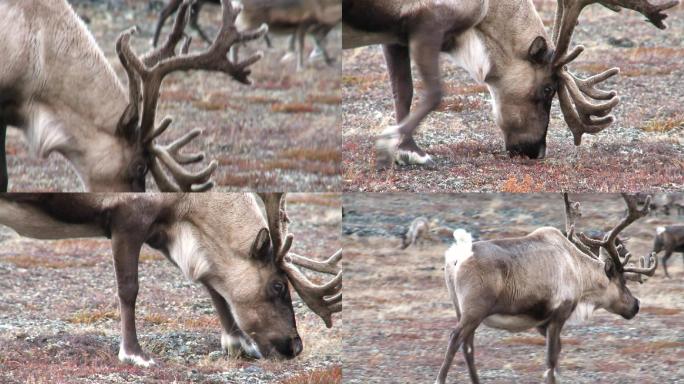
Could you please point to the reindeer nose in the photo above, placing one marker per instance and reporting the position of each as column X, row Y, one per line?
column 536, row 150
column 289, row 347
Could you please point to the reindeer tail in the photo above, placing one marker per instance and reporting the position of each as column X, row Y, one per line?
column 460, row 249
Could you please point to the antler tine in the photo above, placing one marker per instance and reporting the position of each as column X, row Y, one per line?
column 328, row 266
column 274, row 203
column 324, row 300
column 643, row 270
column 608, row 242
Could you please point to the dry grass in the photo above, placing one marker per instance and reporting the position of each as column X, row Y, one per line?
column 90, row 317
column 313, row 154
column 660, row 311
column 458, row 104
column 642, row 348
column 293, row 108
column 665, row 124
column 28, row 262
column 323, row 199
column 514, row 185
column 150, row 257
column 322, row 376
column 325, row 98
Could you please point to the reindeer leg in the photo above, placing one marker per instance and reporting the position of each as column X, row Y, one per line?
column 194, row 24
column 469, row 353
column 301, row 37
column 267, row 39
column 169, row 10
column 127, row 239
column 233, row 340
column 666, row 256
column 397, row 142
column 553, row 346
column 4, row 179
column 463, row 330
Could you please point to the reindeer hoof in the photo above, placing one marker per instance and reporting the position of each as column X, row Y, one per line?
column 413, row 158
column 138, row 360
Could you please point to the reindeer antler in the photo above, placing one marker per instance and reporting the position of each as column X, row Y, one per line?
column 608, row 241
column 148, row 72
column 574, row 94
column 324, row 299
column 572, row 212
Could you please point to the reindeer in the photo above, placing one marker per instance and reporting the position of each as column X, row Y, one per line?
column 297, row 17
column 59, row 89
column 669, row 239
column 418, row 230
column 541, row 281
column 502, row 44
column 240, row 256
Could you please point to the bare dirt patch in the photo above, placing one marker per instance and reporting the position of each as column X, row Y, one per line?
column 398, row 315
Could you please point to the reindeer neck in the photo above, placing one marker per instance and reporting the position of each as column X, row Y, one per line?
column 593, row 279
column 508, row 29
column 77, row 78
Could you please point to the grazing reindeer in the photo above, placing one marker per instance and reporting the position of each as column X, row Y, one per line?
column 418, row 230
column 222, row 241
column 540, row 280
column 669, row 239
column 502, row 44
column 60, row 90
column 300, row 17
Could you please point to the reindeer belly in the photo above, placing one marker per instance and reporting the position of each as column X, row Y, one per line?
column 512, row 323
column 32, row 222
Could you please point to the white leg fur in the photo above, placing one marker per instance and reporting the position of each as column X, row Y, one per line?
column 134, row 359
column 403, row 157
column 235, row 346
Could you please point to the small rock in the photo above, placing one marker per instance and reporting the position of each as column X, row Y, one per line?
column 213, row 356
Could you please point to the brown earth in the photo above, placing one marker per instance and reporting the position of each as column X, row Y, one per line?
column 398, row 316
column 59, row 320
column 642, row 151
column 281, row 133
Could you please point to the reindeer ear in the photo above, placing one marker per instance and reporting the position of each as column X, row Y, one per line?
column 262, row 245
column 539, row 51
column 609, row 268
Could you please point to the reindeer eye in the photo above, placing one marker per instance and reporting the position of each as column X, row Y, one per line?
column 278, row 288
column 548, row 91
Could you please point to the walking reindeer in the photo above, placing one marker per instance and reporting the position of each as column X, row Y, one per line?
column 57, row 86
column 502, row 44
column 540, row 281
column 222, row 241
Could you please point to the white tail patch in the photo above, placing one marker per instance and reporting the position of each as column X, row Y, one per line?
column 582, row 313
column 461, row 249
column 660, row 230
column 186, row 253
column 471, row 55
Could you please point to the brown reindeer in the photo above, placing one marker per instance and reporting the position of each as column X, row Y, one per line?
column 222, row 241
column 541, row 281
column 669, row 239
column 58, row 88
column 502, row 44
column 419, row 230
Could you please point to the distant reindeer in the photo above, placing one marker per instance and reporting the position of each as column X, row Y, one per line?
column 417, row 231
column 172, row 6
column 669, row 239
column 297, row 17
column 221, row 241
column 540, row 281
column 57, row 86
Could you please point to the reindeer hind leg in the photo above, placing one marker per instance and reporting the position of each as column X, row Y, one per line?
column 465, row 328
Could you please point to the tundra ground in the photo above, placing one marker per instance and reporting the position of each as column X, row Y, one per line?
column 645, row 146
column 398, row 315
column 59, row 320
column 281, row 133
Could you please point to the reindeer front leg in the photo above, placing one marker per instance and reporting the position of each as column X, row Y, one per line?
column 233, row 340
column 395, row 144
column 127, row 240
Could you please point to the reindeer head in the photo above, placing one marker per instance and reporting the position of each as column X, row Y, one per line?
column 246, row 260
column 617, row 297
column 524, row 90
column 136, row 130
